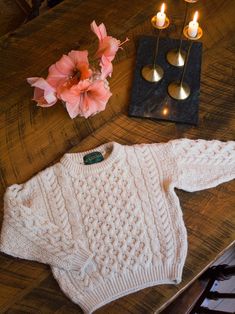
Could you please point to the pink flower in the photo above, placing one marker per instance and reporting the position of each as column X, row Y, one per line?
column 108, row 46
column 72, row 67
column 86, row 98
column 85, row 92
column 44, row 93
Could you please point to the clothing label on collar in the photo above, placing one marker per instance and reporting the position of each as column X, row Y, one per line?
column 93, row 158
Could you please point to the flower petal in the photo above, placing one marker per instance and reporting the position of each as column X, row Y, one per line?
column 106, row 67
column 65, row 65
column 55, row 78
column 44, row 93
column 100, row 30
column 78, row 57
column 70, row 95
column 99, row 91
column 50, row 98
column 40, row 83
column 73, row 109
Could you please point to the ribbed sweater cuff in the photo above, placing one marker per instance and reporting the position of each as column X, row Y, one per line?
column 80, row 260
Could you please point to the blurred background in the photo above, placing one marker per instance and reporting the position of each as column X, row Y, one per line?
column 14, row 13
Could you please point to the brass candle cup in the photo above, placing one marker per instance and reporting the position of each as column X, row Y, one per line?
column 153, row 72
column 199, row 33
column 180, row 90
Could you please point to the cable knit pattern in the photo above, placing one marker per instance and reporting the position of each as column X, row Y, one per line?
column 115, row 227
column 58, row 201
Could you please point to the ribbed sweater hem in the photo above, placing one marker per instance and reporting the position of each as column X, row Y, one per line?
column 129, row 282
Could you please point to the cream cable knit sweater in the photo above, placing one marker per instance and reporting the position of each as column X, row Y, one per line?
column 114, row 227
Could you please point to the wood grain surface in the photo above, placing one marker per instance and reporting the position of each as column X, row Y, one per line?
column 12, row 14
column 31, row 138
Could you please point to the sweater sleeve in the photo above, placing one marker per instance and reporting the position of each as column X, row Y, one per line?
column 202, row 164
column 28, row 232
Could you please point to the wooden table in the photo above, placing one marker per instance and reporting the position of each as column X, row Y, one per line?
column 31, row 138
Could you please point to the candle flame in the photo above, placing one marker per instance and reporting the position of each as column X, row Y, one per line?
column 163, row 8
column 195, row 17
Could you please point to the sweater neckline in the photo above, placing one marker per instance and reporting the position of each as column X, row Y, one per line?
column 74, row 163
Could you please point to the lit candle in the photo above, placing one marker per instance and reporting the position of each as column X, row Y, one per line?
column 193, row 26
column 161, row 16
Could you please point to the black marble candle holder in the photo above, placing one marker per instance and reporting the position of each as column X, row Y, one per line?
column 151, row 100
